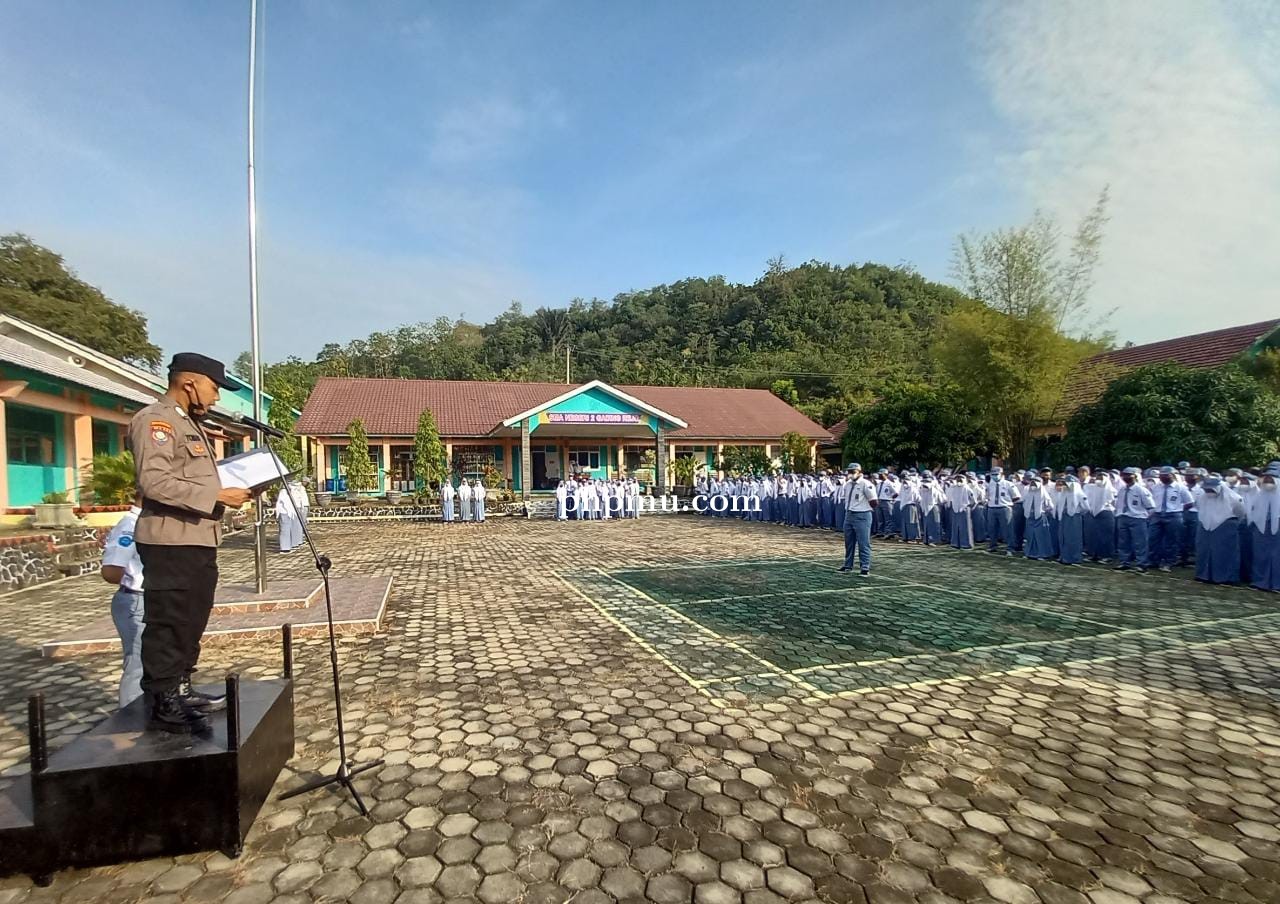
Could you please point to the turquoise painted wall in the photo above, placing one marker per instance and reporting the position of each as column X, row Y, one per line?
column 28, row 483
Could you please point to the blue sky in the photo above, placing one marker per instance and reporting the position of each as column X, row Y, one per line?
column 418, row 160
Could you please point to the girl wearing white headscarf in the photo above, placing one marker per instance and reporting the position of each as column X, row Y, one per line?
column 1264, row 526
column 1071, row 506
column 1218, row 532
column 961, row 499
column 1037, row 505
column 464, row 497
column 562, row 498
column 446, row 500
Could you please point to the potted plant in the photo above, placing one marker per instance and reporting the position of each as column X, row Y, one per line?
column 393, row 497
column 323, row 498
column 55, row 510
column 492, row 479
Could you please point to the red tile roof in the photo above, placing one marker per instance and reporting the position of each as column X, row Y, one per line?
column 1091, row 376
column 475, row 407
column 837, row 431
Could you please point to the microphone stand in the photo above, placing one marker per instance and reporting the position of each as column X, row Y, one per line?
column 347, row 770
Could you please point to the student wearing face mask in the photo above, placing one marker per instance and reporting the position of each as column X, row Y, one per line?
column 1037, row 503
column 1264, row 524
column 1191, row 478
column 1217, row 532
column 1166, row 519
column 1071, row 507
column 177, row 536
column 1133, row 506
column 1100, row 497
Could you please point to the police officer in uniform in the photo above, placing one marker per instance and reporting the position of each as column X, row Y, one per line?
column 177, row 536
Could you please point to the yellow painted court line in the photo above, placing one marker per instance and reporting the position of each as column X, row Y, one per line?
column 852, row 588
column 680, row 567
column 724, row 640
column 642, row 642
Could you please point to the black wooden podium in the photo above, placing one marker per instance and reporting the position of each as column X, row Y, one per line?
column 120, row 793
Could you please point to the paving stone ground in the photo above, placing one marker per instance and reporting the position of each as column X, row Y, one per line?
column 685, row 709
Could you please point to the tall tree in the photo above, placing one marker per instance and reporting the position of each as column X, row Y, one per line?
column 37, row 286
column 1216, row 418
column 795, row 453
column 361, row 474
column 1010, row 352
column 428, row 452
column 916, row 424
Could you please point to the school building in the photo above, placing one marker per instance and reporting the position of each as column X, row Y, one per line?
column 536, row 434
column 62, row 403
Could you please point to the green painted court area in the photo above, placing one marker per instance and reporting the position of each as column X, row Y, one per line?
column 799, row 626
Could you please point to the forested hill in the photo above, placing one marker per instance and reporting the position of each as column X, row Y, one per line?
column 837, row 333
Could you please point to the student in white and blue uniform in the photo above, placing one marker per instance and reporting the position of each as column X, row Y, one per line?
column 122, row 565
column 1133, row 507
column 1037, row 504
column 1071, row 506
column 1264, row 527
column 1100, row 523
column 1001, row 496
column 859, row 497
column 1166, row 520
column 1217, row 532
column 1191, row 478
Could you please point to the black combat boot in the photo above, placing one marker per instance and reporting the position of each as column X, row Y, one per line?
column 169, row 713
column 199, row 700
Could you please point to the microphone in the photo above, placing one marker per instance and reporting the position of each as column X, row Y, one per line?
column 256, row 424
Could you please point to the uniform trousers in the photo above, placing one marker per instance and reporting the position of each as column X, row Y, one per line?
column 177, row 599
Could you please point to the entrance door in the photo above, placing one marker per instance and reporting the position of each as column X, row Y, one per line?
column 538, row 466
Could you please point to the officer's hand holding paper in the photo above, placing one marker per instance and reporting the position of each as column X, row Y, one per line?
column 253, row 471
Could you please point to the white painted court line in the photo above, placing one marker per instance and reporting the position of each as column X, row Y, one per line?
column 734, row 645
column 640, row 640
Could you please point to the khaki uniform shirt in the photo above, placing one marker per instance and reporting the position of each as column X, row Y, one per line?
column 177, row 477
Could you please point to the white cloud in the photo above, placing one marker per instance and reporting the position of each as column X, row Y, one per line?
column 194, row 289
column 1175, row 106
column 493, row 127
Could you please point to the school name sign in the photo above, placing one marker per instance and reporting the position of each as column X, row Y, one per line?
column 592, row 417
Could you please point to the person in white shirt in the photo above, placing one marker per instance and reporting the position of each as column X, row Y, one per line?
column 1264, row 526
column 1100, row 525
column 464, row 499
column 960, row 500
column 930, row 496
column 1133, row 507
column 1166, row 519
column 446, row 500
column 1001, row 496
column 291, row 509
column 1217, row 532
column 562, row 497
column 1191, row 478
column 121, row 565
column 1070, row 505
column 478, row 499
column 1037, row 505
column 859, row 498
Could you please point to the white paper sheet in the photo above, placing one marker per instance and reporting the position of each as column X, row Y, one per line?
column 251, row 470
